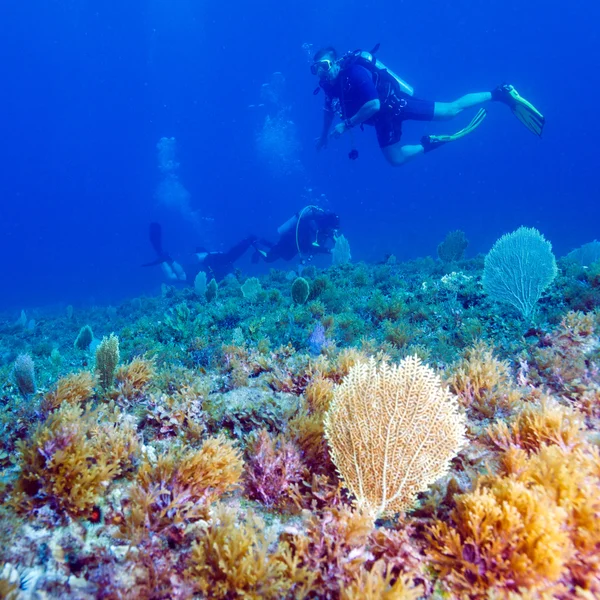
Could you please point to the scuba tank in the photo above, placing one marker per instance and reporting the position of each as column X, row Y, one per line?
column 379, row 70
column 288, row 225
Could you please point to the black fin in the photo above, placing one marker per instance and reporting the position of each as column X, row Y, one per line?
column 156, row 238
column 375, row 48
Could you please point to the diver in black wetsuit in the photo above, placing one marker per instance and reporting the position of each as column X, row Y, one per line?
column 171, row 268
column 215, row 264
column 220, row 264
column 310, row 231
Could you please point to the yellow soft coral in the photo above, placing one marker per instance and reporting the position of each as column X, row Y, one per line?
column 533, row 527
column 392, row 431
column 133, row 379
column 376, row 584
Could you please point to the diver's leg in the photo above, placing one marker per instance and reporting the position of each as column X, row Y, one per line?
column 389, row 132
column 398, row 154
column 240, row 248
column 449, row 110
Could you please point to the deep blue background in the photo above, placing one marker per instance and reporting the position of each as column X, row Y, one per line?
column 88, row 88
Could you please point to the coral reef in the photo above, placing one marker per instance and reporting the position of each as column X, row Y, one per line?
column 218, row 440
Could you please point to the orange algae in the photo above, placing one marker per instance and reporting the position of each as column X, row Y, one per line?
column 179, row 488
column 76, row 388
column 72, row 457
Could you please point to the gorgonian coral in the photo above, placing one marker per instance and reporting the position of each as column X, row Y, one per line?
column 392, row 431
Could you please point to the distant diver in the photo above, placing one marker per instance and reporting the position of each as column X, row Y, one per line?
column 172, row 269
column 214, row 264
column 221, row 264
column 363, row 91
column 310, row 231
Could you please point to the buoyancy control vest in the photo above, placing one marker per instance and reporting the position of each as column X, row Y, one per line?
column 382, row 75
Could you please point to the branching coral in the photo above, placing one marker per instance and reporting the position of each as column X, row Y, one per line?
column 273, row 465
column 179, row 489
column 71, row 458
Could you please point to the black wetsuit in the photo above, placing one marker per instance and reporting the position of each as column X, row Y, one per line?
column 315, row 235
column 215, row 264
column 220, row 264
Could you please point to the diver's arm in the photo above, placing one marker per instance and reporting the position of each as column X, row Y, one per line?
column 327, row 121
column 365, row 112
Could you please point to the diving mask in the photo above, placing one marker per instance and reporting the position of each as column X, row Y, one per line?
column 321, row 66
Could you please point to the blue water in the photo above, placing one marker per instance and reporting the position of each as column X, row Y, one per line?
column 89, row 88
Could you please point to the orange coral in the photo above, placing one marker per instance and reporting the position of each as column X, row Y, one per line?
column 76, row 388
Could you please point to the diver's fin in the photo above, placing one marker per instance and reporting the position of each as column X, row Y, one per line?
column 528, row 114
column 257, row 255
column 431, row 142
column 154, row 263
column 156, row 238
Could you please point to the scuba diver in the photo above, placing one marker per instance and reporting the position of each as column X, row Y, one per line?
column 172, row 269
column 220, row 264
column 363, row 91
column 215, row 264
column 310, row 231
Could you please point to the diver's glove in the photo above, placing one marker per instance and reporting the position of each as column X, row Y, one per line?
column 528, row 114
column 431, row 142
